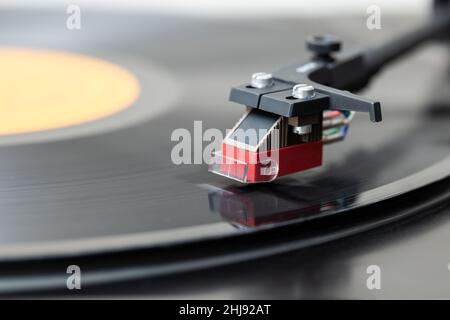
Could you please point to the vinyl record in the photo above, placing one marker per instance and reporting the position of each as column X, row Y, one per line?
column 107, row 184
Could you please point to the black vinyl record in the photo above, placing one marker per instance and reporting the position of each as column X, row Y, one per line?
column 109, row 186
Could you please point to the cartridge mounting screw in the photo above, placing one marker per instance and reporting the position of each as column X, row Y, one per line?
column 261, row 80
column 303, row 91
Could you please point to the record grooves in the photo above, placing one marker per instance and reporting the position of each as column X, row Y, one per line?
column 129, row 265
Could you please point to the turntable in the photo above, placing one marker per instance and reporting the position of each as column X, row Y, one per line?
column 87, row 177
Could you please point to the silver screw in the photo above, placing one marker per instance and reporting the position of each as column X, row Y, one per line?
column 303, row 91
column 302, row 129
column 261, row 80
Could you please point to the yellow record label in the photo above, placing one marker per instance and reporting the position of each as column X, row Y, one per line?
column 41, row 89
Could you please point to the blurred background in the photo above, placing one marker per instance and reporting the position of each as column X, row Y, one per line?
column 238, row 8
